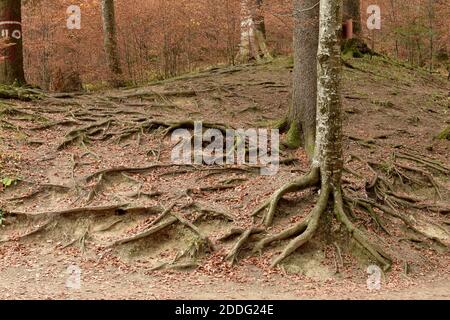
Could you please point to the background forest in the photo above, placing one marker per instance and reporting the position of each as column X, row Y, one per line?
column 353, row 200
column 159, row 38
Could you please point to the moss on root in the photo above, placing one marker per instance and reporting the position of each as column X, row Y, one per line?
column 22, row 93
column 293, row 137
column 356, row 48
column 444, row 134
column 281, row 124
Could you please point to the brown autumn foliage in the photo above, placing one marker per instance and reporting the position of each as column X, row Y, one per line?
column 161, row 38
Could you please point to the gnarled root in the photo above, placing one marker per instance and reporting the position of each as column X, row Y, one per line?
column 357, row 234
column 245, row 235
column 311, row 226
column 305, row 230
column 309, row 180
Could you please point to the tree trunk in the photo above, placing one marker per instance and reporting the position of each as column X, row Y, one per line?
column 327, row 164
column 431, row 31
column 302, row 112
column 329, row 108
column 110, row 42
column 253, row 41
column 260, row 29
column 11, row 63
column 352, row 10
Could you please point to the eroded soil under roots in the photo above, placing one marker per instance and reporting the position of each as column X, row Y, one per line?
column 89, row 177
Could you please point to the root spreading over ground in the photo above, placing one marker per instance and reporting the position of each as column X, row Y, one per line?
column 93, row 171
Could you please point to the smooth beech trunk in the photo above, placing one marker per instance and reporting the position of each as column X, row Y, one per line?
column 11, row 57
column 329, row 110
column 301, row 117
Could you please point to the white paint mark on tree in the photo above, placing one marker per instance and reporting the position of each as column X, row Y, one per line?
column 374, row 20
column 74, row 19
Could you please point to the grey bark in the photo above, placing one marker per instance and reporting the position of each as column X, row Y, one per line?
column 329, row 109
column 302, row 112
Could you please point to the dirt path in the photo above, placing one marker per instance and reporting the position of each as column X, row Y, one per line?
column 117, row 286
column 45, row 276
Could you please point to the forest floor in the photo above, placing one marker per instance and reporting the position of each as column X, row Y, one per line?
column 87, row 181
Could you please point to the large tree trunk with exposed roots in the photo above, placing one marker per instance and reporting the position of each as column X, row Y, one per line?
column 253, row 33
column 327, row 162
column 301, row 118
column 110, row 43
column 11, row 63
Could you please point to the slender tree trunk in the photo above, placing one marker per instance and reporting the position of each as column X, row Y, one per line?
column 431, row 31
column 329, row 108
column 253, row 42
column 302, row 112
column 394, row 22
column 260, row 29
column 352, row 10
column 110, row 42
column 11, row 64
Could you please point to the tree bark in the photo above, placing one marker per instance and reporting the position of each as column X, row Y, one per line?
column 110, row 42
column 302, row 112
column 253, row 33
column 11, row 64
column 329, row 109
column 260, row 29
column 352, row 10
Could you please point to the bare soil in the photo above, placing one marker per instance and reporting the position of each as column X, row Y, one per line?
column 91, row 170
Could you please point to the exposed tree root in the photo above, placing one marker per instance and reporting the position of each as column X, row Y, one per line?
column 311, row 227
column 40, row 188
column 170, row 221
column 234, row 252
column 119, row 209
column 409, row 221
column 207, row 211
column 95, row 189
column 433, row 164
column 49, row 223
column 358, row 235
column 120, row 170
column 103, row 122
column 81, row 241
column 309, row 180
column 56, row 123
column 82, row 134
column 304, row 230
column 193, row 228
column 157, row 95
column 109, row 225
column 384, row 191
column 20, row 93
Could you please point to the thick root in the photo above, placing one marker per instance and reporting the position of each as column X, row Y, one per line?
column 293, row 136
column 234, row 252
column 309, row 180
column 283, row 235
column 311, row 227
column 146, row 233
column 357, row 234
